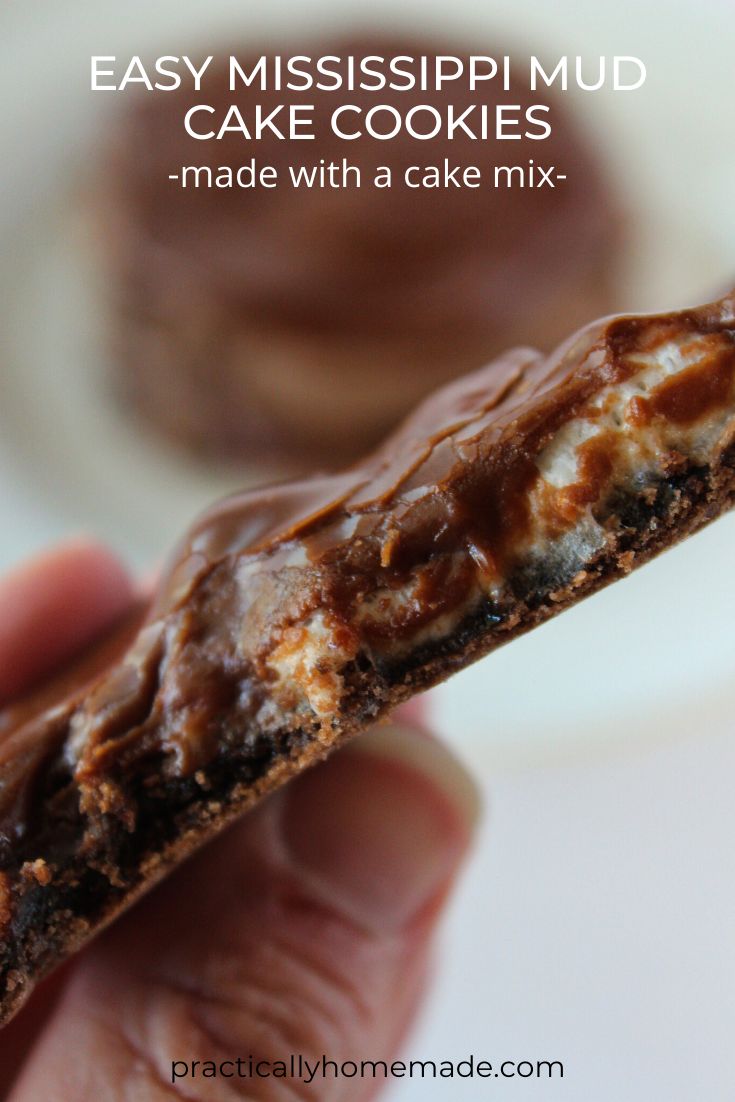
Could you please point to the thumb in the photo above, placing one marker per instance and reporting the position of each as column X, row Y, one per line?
column 304, row 930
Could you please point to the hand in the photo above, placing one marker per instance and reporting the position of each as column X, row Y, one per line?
column 306, row 928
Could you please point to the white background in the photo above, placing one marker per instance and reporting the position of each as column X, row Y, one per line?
column 595, row 923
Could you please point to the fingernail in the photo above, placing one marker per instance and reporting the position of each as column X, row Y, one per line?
column 380, row 830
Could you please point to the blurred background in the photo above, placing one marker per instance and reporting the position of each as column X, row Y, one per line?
column 595, row 922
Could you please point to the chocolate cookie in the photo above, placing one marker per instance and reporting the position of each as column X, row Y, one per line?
column 293, row 617
column 303, row 323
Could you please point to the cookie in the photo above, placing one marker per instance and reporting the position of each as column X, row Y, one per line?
column 293, row 617
column 298, row 325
